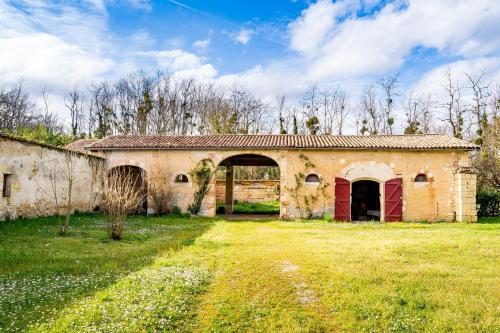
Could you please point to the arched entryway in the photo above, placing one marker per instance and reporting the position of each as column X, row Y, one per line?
column 365, row 201
column 138, row 180
column 248, row 184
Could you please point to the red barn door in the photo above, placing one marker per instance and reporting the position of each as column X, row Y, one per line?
column 342, row 199
column 394, row 200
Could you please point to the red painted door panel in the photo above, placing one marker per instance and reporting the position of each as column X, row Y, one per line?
column 342, row 199
column 394, row 200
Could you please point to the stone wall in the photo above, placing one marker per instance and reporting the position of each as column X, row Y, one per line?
column 32, row 169
column 250, row 190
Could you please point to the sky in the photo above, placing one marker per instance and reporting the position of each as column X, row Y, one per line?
column 270, row 47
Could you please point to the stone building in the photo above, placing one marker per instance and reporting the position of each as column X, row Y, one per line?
column 387, row 178
column 33, row 175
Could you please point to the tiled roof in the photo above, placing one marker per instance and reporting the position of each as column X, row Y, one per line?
column 216, row 142
column 45, row 145
column 79, row 145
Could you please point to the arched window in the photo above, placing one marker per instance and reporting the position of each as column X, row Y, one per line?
column 312, row 178
column 181, row 178
column 421, row 178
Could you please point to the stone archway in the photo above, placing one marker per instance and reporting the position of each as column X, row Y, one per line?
column 245, row 160
column 139, row 178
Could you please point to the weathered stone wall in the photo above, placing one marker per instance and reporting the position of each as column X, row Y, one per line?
column 250, row 190
column 433, row 200
column 31, row 165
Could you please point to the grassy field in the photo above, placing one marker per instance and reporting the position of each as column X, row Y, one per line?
column 172, row 274
column 269, row 207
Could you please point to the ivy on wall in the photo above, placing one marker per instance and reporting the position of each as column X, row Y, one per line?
column 201, row 175
column 305, row 202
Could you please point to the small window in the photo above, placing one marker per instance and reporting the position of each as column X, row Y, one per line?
column 181, row 179
column 421, row 178
column 312, row 178
column 7, row 184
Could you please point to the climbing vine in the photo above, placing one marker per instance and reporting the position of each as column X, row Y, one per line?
column 201, row 175
column 305, row 202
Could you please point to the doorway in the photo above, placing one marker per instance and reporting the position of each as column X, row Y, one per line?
column 365, row 200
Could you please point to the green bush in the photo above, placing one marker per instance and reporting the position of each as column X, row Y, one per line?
column 328, row 218
column 488, row 202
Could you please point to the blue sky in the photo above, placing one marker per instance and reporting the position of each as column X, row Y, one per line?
column 270, row 47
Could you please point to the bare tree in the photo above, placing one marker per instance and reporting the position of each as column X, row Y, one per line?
column 48, row 119
column 309, row 102
column 62, row 177
column 487, row 160
column 72, row 174
column 480, row 97
column 74, row 102
column 16, row 109
column 281, row 100
column 388, row 84
column 103, row 118
column 418, row 114
column 454, row 107
column 371, row 114
column 340, row 109
column 120, row 197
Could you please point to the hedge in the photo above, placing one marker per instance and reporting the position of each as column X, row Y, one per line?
column 488, row 202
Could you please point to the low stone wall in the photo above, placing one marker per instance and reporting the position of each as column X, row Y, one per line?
column 33, row 172
column 250, row 190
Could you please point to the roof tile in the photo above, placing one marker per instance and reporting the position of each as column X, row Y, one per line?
column 272, row 141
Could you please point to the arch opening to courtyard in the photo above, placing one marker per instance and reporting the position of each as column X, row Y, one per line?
column 248, row 184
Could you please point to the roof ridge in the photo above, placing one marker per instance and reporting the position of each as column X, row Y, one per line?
column 282, row 141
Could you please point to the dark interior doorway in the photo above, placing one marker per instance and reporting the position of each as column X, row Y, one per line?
column 365, row 203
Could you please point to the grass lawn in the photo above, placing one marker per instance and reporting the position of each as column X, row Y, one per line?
column 269, row 207
column 172, row 274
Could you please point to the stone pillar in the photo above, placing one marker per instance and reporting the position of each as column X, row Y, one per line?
column 465, row 197
column 229, row 187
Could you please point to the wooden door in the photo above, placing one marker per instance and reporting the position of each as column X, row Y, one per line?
column 342, row 199
column 394, row 200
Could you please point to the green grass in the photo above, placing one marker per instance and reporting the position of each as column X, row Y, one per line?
column 41, row 272
column 269, row 207
column 172, row 274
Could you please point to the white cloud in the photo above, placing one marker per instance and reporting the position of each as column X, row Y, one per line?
column 360, row 46
column 333, row 44
column 201, row 44
column 142, row 38
column 48, row 60
column 100, row 5
column 243, row 36
column 315, row 23
column 57, row 49
column 182, row 63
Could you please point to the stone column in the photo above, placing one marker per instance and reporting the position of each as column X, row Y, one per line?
column 229, row 187
column 465, row 196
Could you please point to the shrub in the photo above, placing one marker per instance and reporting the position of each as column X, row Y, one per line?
column 177, row 212
column 160, row 192
column 488, row 202
column 328, row 218
column 120, row 197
